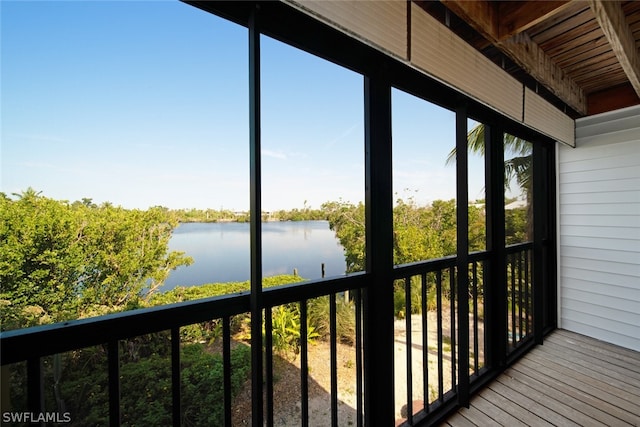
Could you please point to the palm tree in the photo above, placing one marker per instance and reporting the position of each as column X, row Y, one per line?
column 28, row 194
column 519, row 166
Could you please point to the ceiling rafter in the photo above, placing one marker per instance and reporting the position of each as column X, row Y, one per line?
column 516, row 17
column 484, row 17
column 611, row 18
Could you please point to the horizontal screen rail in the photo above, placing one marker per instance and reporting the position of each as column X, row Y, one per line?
column 432, row 265
column 296, row 292
column 20, row 344
column 518, row 247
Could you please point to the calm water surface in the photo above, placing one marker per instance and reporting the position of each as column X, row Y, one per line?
column 221, row 251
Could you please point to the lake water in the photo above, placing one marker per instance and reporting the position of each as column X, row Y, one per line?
column 221, row 251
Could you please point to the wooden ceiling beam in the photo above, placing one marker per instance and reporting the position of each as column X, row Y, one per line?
column 481, row 15
column 484, row 17
column 515, row 17
column 611, row 18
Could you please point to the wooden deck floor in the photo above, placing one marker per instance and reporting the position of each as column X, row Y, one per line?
column 570, row 380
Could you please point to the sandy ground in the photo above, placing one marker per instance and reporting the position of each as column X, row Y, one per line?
column 287, row 407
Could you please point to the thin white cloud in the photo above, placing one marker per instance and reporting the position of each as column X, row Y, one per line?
column 343, row 135
column 39, row 137
column 44, row 166
column 274, row 154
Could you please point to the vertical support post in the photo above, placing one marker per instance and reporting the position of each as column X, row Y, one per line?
column 496, row 280
column 476, row 353
column 539, row 207
column 408, row 349
column 175, row 377
column 549, row 241
column 268, row 363
column 226, row 364
column 359, row 368
column 425, row 343
column 35, row 385
column 113, row 361
column 378, row 314
column 439, row 335
column 256, row 219
column 462, row 258
column 333, row 358
column 304, row 366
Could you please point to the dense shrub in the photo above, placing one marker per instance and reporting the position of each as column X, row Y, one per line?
column 145, row 386
column 319, row 310
column 208, row 332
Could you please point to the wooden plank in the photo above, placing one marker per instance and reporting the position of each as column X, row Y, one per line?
column 608, row 63
column 622, row 373
column 611, row 18
column 588, row 48
column 602, row 97
column 630, row 7
column 574, row 8
column 495, row 413
column 580, row 400
column 603, row 58
column 510, row 407
column 594, row 373
column 570, row 380
column 627, row 358
column 607, row 360
column 553, row 403
column 482, row 15
column 580, row 43
column 532, row 405
column 565, row 394
column 567, row 31
column 613, row 350
column 516, row 17
column 615, row 395
column 590, row 392
column 617, row 351
column 476, row 417
column 458, row 420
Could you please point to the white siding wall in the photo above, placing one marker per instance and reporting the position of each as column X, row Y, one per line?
column 599, row 223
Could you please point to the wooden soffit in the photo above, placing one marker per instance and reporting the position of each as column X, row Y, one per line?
column 575, row 50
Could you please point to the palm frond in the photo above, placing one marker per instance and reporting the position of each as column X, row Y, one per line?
column 520, row 169
column 476, row 144
column 518, row 166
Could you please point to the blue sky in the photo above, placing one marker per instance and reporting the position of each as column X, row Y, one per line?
column 146, row 103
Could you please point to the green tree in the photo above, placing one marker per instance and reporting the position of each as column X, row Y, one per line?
column 41, row 259
column 62, row 261
column 347, row 221
column 126, row 254
column 420, row 232
column 515, row 222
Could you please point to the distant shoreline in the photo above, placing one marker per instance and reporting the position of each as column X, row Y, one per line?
column 225, row 220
